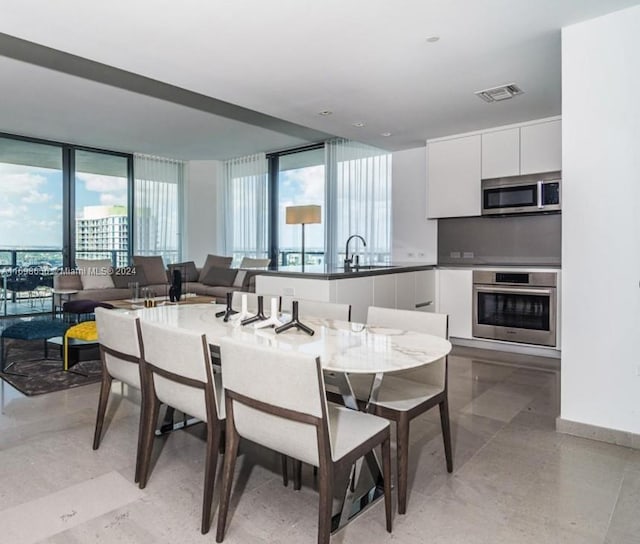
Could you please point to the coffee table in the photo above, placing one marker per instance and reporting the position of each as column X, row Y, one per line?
column 131, row 304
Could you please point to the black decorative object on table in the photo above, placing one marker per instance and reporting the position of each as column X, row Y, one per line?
column 295, row 322
column 229, row 311
column 175, row 291
column 259, row 316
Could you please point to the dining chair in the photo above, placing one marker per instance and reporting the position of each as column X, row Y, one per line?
column 404, row 396
column 318, row 308
column 176, row 366
column 295, row 420
column 119, row 341
column 322, row 310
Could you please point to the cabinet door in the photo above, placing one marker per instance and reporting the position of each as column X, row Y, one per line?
column 406, row 290
column 384, row 291
column 501, row 153
column 453, row 177
column 455, row 298
column 359, row 293
column 541, row 147
column 425, row 296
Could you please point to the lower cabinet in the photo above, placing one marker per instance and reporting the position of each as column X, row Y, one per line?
column 455, row 298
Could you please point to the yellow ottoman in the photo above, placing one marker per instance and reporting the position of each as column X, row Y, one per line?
column 86, row 331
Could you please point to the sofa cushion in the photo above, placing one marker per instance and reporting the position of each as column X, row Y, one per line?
column 188, row 269
column 95, row 273
column 124, row 275
column 220, row 276
column 67, row 279
column 214, row 261
column 152, row 268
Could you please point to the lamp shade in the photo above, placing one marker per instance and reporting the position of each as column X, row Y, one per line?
column 302, row 215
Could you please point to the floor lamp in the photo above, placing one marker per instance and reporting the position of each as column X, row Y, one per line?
column 302, row 215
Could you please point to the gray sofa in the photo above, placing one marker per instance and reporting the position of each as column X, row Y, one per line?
column 214, row 279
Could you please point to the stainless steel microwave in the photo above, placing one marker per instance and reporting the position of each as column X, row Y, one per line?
column 524, row 194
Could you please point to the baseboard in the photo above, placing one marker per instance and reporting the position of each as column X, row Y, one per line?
column 602, row 434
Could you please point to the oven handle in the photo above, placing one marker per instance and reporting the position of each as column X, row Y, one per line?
column 540, row 185
column 514, row 290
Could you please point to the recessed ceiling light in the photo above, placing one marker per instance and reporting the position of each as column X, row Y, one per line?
column 358, row 124
column 325, row 112
column 385, row 134
column 432, row 39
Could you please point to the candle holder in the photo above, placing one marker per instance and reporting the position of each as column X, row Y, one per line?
column 273, row 320
column 229, row 311
column 259, row 316
column 295, row 322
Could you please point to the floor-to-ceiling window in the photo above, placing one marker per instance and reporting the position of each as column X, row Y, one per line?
column 301, row 182
column 102, row 227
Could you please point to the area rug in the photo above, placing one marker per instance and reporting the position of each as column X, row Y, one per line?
column 45, row 375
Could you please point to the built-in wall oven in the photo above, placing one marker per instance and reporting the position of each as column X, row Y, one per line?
column 515, row 306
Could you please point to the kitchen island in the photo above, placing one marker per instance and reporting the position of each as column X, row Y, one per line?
column 408, row 286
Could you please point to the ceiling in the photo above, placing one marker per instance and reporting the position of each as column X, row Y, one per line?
column 216, row 79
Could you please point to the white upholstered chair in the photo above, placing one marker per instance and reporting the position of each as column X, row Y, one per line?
column 403, row 396
column 277, row 399
column 119, row 338
column 318, row 308
column 177, row 368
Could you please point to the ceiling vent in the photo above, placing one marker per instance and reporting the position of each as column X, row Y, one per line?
column 503, row 92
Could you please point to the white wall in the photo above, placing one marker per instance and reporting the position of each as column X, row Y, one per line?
column 414, row 237
column 600, row 222
column 201, row 233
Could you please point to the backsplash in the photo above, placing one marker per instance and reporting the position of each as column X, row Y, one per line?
column 512, row 240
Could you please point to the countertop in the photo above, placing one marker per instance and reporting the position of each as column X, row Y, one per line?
column 333, row 272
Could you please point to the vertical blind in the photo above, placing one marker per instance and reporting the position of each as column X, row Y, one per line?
column 358, row 199
column 245, row 213
column 158, row 206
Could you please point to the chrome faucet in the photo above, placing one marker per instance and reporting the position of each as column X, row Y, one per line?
column 349, row 261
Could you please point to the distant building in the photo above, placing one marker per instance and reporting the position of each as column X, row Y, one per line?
column 101, row 230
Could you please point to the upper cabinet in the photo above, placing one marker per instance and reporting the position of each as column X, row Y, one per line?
column 541, row 147
column 528, row 149
column 455, row 165
column 453, row 172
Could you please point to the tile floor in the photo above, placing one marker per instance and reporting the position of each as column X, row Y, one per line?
column 515, row 480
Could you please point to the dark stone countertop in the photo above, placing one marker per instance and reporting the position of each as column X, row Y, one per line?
column 333, row 272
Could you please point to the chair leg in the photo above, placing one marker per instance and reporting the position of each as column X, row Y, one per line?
column 105, row 389
column 150, row 414
column 285, row 470
column 402, row 452
column 325, row 491
column 211, row 462
column 231, row 451
column 386, row 473
column 446, row 433
column 297, row 475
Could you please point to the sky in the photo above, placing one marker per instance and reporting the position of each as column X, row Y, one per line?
column 31, row 203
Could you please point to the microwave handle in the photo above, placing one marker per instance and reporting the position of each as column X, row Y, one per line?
column 540, row 186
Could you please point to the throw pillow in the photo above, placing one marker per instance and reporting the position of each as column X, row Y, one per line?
column 152, row 268
column 124, row 275
column 188, row 269
column 95, row 273
column 220, row 277
column 216, row 261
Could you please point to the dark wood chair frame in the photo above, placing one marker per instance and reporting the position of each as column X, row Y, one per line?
column 105, row 390
column 327, row 466
column 215, row 426
column 403, row 420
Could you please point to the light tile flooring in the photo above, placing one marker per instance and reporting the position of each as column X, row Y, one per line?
column 515, row 480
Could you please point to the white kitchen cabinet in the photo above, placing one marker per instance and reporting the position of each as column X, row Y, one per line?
column 425, row 293
column 501, row 153
column 358, row 292
column 455, row 298
column 406, row 290
column 384, row 291
column 453, row 177
column 541, row 147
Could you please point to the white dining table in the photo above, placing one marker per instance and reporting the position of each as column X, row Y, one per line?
column 343, row 348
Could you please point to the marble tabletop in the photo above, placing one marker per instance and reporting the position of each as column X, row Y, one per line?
column 341, row 346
